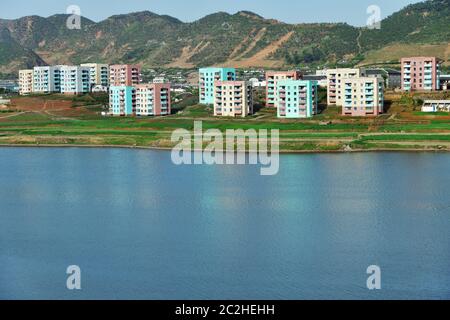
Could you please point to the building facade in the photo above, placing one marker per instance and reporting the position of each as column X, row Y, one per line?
column 420, row 74
column 207, row 77
column 296, row 98
column 271, row 81
column 47, row 79
column 392, row 78
column 122, row 100
column 153, row 99
column 335, row 79
column 233, row 98
column 363, row 96
column 25, row 82
column 124, row 75
column 75, row 79
column 99, row 74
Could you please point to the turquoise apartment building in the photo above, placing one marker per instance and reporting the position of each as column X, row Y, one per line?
column 122, row 100
column 207, row 77
column 296, row 98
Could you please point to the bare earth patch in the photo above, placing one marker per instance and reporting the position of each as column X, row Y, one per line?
column 261, row 59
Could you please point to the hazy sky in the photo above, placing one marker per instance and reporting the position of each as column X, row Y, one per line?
column 292, row 11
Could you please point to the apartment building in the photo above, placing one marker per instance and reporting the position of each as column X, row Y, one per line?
column 122, row 100
column 363, row 96
column 25, row 82
column 296, row 98
column 335, row 78
column 153, row 99
column 420, row 74
column 99, row 74
column 47, row 79
column 207, row 77
column 75, row 79
column 271, row 80
column 124, row 75
column 233, row 98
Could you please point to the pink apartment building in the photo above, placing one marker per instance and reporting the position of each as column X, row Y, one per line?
column 153, row 99
column 124, row 75
column 272, row 77
column 420, row 74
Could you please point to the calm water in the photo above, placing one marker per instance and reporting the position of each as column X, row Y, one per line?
column 141, row 228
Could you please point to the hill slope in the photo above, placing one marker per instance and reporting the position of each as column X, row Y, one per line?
column 241, row 39
column 13, row 55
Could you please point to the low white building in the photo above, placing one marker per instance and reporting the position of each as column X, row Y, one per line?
column 256, row 83
column 436, row 106
column 159, row 80
column 99, row 89
column 4, row 102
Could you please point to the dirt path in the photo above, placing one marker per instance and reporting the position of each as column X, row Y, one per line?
column 13, row 115
column 56, row 117
column 358, row 41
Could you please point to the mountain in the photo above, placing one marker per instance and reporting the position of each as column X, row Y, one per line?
column 244, row 39
column 14, row 55
column 425, row 22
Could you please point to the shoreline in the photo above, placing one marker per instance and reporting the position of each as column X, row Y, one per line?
column 374, row 150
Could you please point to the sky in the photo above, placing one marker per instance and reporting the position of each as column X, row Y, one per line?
column 290, row 11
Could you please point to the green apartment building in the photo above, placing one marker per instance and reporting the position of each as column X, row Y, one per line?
column 296, row 98
column 272, row 77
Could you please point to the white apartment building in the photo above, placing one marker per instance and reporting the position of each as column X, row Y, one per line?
column 47, row 79
column 75, row 79
column 363, row 96
column 99, row 74
column 25, row 82
column 233, row 98
column 335, row 79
